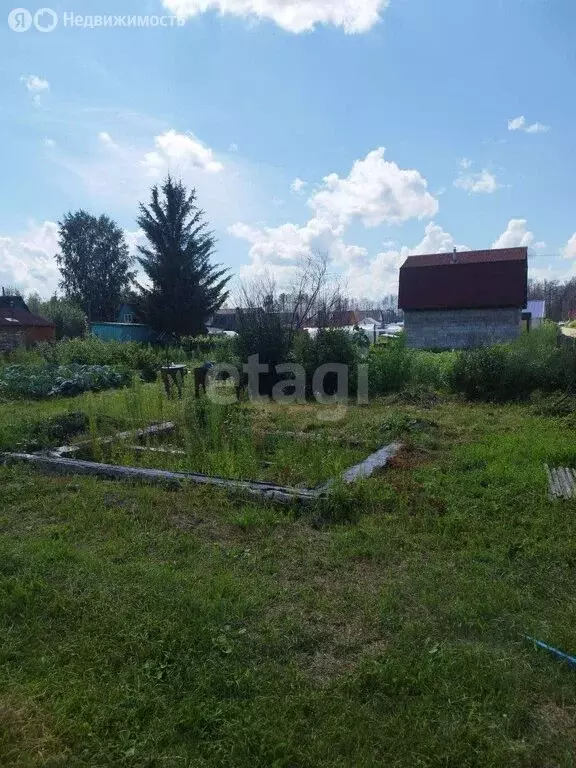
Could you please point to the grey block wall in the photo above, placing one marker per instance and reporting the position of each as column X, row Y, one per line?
column 10, row 339
column 461, row 328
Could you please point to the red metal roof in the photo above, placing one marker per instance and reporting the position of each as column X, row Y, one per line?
column 467, row 257
column 466, row 279
column 20, row 318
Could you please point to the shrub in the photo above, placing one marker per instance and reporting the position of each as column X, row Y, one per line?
column 431, row 370
column 220, row 349
column 266, row 335
column 508, row 372
column 57, row 430
column 327, row 346
column 67, row 316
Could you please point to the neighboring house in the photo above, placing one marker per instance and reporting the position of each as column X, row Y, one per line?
column 535, row 313
column 347, row 318
column 390, row 330
column 224, row 321
column 127, row 313
column 19, row 327
column 463, row 299
column 227, row 321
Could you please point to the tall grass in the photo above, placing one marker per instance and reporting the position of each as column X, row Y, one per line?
column 500, row 373
column 512, row 372
column 394, row 367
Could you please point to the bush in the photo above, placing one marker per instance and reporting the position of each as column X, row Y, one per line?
column 508, row 372
column 54, row 381
column 67, row 316
column 266, row 335
column 327, row 346
column 220, row 349
column 57, row 430
column 431, row 370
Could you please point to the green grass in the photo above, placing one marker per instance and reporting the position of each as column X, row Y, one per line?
column 143, row 627
column 240, row 441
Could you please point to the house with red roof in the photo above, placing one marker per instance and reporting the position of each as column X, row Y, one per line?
column 463, row 299
column 19, row 327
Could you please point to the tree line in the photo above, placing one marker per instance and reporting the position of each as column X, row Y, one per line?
column 99, row 272
column 560, row 297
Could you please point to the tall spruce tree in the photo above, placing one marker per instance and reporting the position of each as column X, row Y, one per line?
column 185, row 287
column 95, row 263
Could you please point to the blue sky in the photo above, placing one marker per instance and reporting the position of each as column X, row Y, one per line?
column 366, row 129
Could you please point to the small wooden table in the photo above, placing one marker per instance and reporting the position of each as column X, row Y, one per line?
column 173, row 376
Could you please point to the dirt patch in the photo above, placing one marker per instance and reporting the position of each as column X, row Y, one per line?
column 555, row 720
column 333, row 614
column 410, row 457
column 26, row 736
column 341, row 647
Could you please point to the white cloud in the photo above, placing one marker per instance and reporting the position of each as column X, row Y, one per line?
column 435, row 240
column 178, row 151
column 537, row 128
column 291, row 15
column 570, row 249
column 516, row 235
column 520, row 124
column 375, row 191
column 48, row 143
column 27, row 260
column 379, row 276
column 465, row 164
column 233, row 147
column 106, row 139
column 134, row 239
column 117, row 174
column 285, row 245
column 35, row 84
column 298, row 185
column 279, row 250
column 483, row 182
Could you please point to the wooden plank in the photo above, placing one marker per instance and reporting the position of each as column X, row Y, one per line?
column 558, row 483
column 150, row 449
column 151, row 431
column 58, row 463
column 564, row 488
column 64, row 466
column 568, row 484
column 375, row 461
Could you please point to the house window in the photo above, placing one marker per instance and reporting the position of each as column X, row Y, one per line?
column 128, row 317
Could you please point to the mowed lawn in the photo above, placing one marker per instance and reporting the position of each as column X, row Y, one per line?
column 146, row 627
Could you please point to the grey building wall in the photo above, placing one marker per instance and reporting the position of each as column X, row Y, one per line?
column 460, row 328
column 11, row 338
